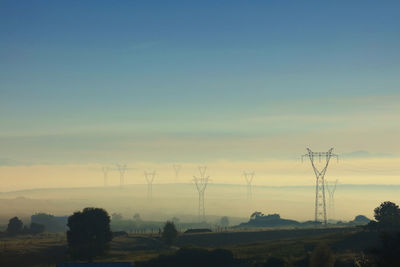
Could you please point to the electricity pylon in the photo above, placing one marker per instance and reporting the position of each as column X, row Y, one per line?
column 105, row 173
column 201, row 185
column 249, row 176
column 331, row 200
column 150, row 178
column 177, row 169
column 320, row 203
column 122, row 169
column 202, row 170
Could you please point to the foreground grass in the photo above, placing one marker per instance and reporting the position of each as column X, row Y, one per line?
column 290, row 245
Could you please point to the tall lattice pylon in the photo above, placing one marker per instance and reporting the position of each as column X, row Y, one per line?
column 249, row 176
column 150, row 178
column 122, row 169
column 105, row 171
column 201, row 185
column 331, row 186
column 320, row 200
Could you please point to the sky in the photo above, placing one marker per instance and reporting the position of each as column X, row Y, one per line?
column 196, row 82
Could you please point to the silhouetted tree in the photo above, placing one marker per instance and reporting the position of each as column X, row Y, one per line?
column 169, row 233
column 89, row 233
column 322, row 256
column 387, row 252
column 387, row 214
column 256, row 215
column 224, row 222
column 14, row 226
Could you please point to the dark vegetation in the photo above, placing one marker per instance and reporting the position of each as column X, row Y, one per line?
column 139, row 226
column 16, row 227
column 195, row 257
column 387, row 224
column 37, row 228
column 89, row 233
column 387, row 216
column 198, row 230
column 322, row 256
column 169, row 233
column 258, row 219
column 89, row 238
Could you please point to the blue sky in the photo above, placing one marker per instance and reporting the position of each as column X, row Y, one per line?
column 81, row 77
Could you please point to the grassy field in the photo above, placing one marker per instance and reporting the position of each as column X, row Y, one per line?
column 258, row 246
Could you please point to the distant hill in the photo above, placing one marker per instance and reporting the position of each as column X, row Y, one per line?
column 258, row 219
column 360, row 220
column 271, row 220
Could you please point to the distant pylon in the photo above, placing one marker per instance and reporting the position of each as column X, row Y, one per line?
column 331, row 186
column 177, row 169
column 320, row 203
column 105, row 174
column 249, row 176
column 122, row 169
column 202, row 170
column 201, row 184
column 149, row 178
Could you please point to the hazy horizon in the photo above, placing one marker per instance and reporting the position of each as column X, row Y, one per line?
column 236, row 86
column 220, row 200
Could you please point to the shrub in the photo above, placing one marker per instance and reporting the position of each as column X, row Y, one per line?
column 322, row 256
column 89, row 233
column 169, row 233
column 387, row 214
column 14, row 226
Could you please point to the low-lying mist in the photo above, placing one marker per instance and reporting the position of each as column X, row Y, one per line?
column 181, row 201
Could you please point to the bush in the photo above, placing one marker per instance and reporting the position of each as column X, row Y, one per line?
column 322, row 256
column 89, row 233
column 14, row 226
column 387, row 214
column 169, row 233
